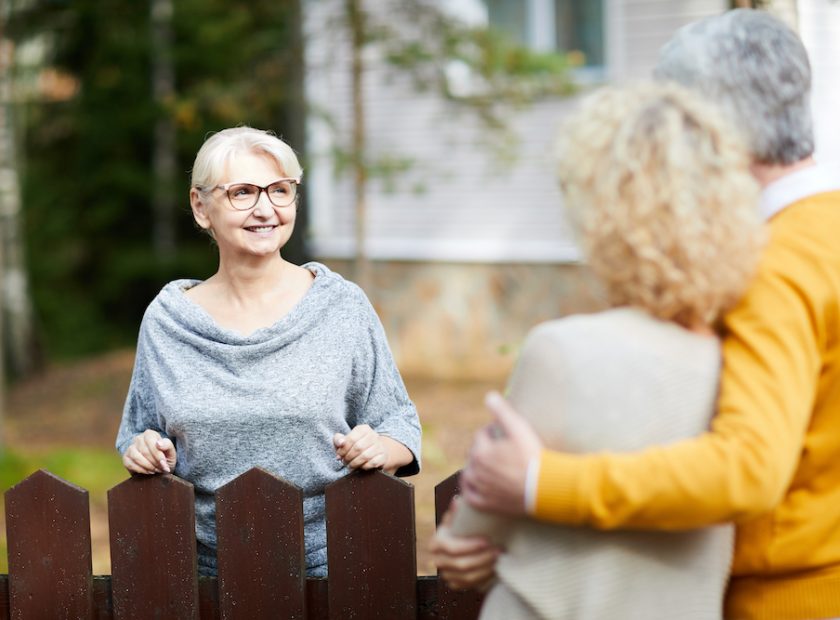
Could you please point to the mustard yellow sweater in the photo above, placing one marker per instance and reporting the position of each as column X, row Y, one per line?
column 771, row 461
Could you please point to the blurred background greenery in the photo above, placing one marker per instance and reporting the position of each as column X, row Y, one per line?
column 103, row 106
column 111, row 105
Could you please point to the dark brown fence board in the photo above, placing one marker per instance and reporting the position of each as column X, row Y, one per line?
column 153, row 556
column 452, row 604
column 48, row 533
column 427, row 598
column 103, row 608
column 208, row 598
column 445, row 490
column 5, row 612
column 261, row 563
column 317, row 605
column 371, row 547
column 371, row 552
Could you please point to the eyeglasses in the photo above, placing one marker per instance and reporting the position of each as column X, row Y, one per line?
column 244, row 196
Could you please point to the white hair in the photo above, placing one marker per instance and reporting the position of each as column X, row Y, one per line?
column 217, row 150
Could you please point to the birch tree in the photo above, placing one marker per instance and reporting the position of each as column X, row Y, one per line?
column 15, row 307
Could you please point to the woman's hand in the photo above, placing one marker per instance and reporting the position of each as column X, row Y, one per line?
column 464, row 563
column 362, row 448
column 150, row 454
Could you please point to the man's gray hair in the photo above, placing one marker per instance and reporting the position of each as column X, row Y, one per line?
column 755, row 67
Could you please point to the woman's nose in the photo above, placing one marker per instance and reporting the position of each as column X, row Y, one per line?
column 263, row 206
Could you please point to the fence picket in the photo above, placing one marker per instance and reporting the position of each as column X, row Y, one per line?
column 153, row 556
column 5, row 612
column 463, row 605
column 48, row 533
column 371, row 547
column 371, row 552
column 262, row 569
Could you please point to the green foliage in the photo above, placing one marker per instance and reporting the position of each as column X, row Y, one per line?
column 92, row 469
column 506, row 72
column 420, row 41
column 88, row 176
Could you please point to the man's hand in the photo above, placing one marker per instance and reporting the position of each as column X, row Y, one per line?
column 495, row 475
column 463, row 563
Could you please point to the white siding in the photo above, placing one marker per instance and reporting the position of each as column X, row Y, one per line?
column 819, row 25
column 458, row 201
column 641, row 27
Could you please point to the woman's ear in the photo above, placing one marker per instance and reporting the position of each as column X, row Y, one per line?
column 199, row 209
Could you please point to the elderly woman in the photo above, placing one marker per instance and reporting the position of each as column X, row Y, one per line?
column 264, row 364
column 662, row 197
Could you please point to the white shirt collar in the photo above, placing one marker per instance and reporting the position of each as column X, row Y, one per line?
column 782, row 192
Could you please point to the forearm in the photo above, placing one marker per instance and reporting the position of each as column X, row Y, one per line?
column 695, row 483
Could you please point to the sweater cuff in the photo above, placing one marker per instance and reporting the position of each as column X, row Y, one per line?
column 559, row 489
column 531, row 480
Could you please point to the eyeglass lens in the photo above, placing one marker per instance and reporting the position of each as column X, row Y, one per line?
column 245, row 195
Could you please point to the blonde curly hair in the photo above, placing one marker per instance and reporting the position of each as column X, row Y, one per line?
column 659, row 191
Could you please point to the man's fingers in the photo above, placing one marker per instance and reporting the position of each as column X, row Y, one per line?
column 508, row 420
column 474, row 497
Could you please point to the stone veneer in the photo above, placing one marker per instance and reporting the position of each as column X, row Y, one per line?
column 462, row 321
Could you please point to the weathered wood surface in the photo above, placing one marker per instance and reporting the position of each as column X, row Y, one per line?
column 261, row 563
column 48, row 533
column 453, row 604
column 371, row 553
column 371, row 546
column 153, row 557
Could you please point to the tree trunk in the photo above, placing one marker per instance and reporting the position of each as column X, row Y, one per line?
column 4, row 70
column 292, row 124
column 356, row 20
column 16, row 306
column 163, row 158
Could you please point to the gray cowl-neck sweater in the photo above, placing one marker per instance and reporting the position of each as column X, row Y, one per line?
column 272, row 399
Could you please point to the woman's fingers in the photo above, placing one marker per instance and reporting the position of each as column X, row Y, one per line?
column 372, row 458
column 149, row 454
column 135, row 461
column 361, row 448
column 167, row 454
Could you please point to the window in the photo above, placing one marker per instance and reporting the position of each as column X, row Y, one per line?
column 553, row 25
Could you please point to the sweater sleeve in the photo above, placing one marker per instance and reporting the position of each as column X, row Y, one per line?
column 138, row 415
column 744, row 464
column 378, row 392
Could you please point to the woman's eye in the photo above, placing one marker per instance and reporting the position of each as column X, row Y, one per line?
column 241, row 192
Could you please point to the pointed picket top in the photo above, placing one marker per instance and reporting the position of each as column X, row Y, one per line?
column 48, row 533
column 153, row 554
column 261, row 562
column 445, row 490
column 453, row 603
column 371, row 547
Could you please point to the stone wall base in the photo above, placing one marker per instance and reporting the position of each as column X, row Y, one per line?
column 466, row 321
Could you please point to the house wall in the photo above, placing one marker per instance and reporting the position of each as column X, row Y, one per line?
column 471, row 247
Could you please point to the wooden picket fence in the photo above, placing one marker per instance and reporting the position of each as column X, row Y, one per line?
column 259, row 518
